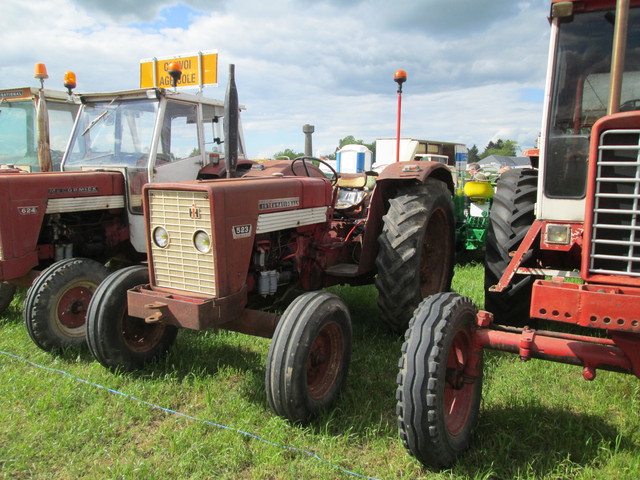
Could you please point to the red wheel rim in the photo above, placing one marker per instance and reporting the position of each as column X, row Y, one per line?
column 72, row 307
column 140, row 336
column 435, row 254
column 459, row 387
column 324, row 360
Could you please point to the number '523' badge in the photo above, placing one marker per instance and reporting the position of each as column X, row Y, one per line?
column 241, row 231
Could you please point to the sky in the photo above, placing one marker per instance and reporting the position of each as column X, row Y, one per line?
column 475, row 68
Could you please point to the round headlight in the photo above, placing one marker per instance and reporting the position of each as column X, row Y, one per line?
column 202, row 241
column 160, row 237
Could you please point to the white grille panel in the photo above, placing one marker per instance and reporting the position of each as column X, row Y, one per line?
column 180, row 265
column 615, row 240
column 271, row 222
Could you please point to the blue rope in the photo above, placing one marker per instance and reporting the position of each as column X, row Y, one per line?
column 195, row 419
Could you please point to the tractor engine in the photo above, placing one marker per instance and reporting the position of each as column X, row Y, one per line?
column 274, row 262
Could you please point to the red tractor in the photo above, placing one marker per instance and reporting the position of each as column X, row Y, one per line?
column 35, row 124
column 563, row 247
column 221, row 250
column 62, row 228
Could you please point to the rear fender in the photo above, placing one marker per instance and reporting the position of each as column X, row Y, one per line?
column 393, row 176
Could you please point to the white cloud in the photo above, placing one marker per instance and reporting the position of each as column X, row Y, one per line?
column 328, row 63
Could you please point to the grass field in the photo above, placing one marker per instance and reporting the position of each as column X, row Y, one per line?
column 202, row 413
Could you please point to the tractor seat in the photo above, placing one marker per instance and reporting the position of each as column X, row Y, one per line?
column 352, row 180
column 351, row 191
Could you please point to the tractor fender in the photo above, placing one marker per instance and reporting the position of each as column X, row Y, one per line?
column 414, row 172
column 387, row 182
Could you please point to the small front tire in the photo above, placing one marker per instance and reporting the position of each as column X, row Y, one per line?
column 117, row 340
column 309, row 356
column 56, row 304
column 440, row 380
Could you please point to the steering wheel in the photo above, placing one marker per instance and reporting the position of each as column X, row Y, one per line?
column 334, row 174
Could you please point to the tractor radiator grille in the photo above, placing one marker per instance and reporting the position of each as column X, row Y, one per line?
column 615, row 240
column 179, row 265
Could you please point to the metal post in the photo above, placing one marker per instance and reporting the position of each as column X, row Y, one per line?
column 308, row 130
column 617, row 57
column 399, row 77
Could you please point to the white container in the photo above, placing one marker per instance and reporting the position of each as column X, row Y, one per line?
column 354, row 159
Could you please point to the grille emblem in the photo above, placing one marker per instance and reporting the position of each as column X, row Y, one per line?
column 194, row 212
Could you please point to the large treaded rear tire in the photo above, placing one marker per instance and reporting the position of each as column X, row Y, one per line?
column 439, row 381
column 117, row 340
column 416, row 250
column 512, row 214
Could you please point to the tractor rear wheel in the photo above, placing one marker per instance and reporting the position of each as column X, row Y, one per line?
column 309, row 356
column 416, row 250
column 6, row 295
column 117, row 340
column 56, row 304
column 440, row 380
column 512, row 214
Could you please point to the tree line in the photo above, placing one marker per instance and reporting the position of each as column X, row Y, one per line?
column 507, row 148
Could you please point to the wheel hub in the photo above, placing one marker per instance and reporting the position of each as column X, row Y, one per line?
column 73, row 306
column 458, row 390
column 323, row 363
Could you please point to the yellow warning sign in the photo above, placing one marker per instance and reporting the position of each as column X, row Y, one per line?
column 199, row 70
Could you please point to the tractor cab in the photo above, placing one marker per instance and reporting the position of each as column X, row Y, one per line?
column 579, row 85
column 149, row 135
column 19, row 128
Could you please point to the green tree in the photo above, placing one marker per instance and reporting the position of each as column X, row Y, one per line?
column 473, row 154
column 507, row 148
column 287, row 152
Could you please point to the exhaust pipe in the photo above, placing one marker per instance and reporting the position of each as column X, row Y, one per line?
column 230, row 124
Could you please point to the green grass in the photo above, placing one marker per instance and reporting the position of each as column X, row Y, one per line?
column 538, row 420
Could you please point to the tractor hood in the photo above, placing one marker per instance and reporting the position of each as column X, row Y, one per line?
column 25, row 198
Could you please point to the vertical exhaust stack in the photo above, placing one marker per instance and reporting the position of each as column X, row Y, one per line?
column 230, row 125
column 42, row 121
column 617, row 55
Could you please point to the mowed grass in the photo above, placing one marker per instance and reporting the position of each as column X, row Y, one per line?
column 61, row 418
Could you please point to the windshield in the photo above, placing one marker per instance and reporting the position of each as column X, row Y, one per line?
column 581, row 94
column 18, row 138
column 116, row 133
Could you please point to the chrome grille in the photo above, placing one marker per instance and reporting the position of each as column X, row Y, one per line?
column 180, row 265
column 615, row 240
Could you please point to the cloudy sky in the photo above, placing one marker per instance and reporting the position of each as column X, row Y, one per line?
column 475, row 68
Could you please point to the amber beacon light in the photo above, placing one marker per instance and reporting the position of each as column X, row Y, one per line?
column 70, row 81
column 175, row 70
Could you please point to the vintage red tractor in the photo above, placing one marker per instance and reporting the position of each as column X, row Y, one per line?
column 35, row 124
column 220, row 250
column 563, row 246
column 62, row 227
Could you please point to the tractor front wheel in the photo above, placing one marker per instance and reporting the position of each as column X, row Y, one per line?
column 309, row 356
column 56, row 304
column 116, row 339
column 440, row 380
column 417, row 247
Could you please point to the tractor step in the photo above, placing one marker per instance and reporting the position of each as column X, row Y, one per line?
column 343, row 270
